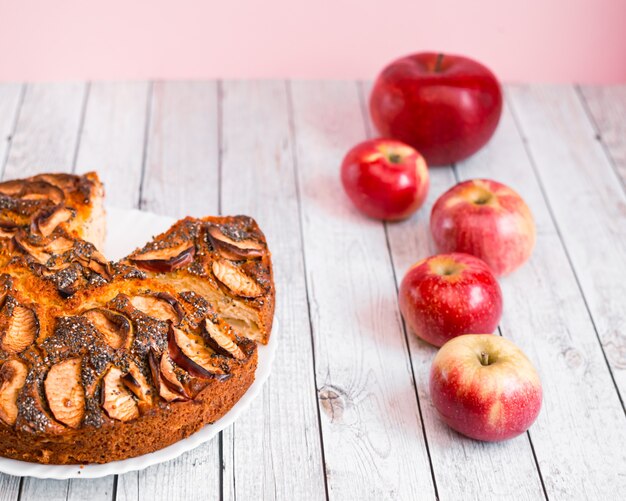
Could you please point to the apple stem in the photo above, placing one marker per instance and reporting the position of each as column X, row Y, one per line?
column 484, row 358
column 395, row 158
column 438, row 63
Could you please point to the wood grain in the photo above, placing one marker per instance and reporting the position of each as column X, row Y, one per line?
column 274, row 451
column 47, row 129
column 9, row 487
column 607, row 107
column 97, row 489
column 588, row 203
column 190, row 477
column 50, row 490
column 182, row 150
column 544, row 314
column 180, row 178
column 10, row 100
column 372, row 434
column 112, row 139
column 64, row 490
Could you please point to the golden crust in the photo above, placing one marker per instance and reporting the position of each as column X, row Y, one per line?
column 156, row 345
column 198, row 273
column 116, row 440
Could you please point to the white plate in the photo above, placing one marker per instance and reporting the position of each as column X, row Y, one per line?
column 127, row 230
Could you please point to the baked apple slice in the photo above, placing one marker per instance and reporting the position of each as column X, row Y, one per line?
column 43, row 253
column 34, row 413
column 165, row 259
column 190, row 353
column 97, row 263
column 32, row 190
column 224, row 339
column 137, row 383
column 168, row 373
column 12, row 377
column 12, row 188
column 37, row 253
column 42, row 190
column 58, row 246
column 235, row 280
column 118, row 402
column 159, row 381
column 230, row 248
column 8, row 228
column 21, row 331
column 162, row 306
column 114, row 327
column 47, row 220
column 61, row 180
column 65, row 393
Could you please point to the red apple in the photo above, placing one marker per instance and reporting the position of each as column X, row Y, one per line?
column 445, row 106
column 385, row 179
column 448, row 295
column 486, row 219
column 484, row 387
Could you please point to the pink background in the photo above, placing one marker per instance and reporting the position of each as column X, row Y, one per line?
column 522, row 40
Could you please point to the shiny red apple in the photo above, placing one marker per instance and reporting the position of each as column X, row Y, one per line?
column 486, row 219
column 484, row 387
column 385, row 179
column 448, row 295
column 446, row 106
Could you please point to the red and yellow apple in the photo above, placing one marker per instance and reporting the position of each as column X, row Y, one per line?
column 448, row 295
column 445, row 106
column 484, row 387
column 385, row 179
column 486, row 219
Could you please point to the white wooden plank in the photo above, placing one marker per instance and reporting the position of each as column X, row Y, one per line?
column 544, row 313
column 99, row 489
column 372, row 433
column 10, row 100
column 588, row 203
column 180, row 178
column 48, row 490
column 182, row 156
column 112, row 140
column 63, row 490
column 463, row 468
column 47, row 129
column 607, row 106
column 191, row 477
column 274, row 452
column 9, row 487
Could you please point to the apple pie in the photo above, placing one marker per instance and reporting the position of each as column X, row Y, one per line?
column 102, row 361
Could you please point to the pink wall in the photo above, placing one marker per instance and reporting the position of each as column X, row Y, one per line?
column 522, row 40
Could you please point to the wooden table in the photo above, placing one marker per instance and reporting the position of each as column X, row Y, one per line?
column 346, row 413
